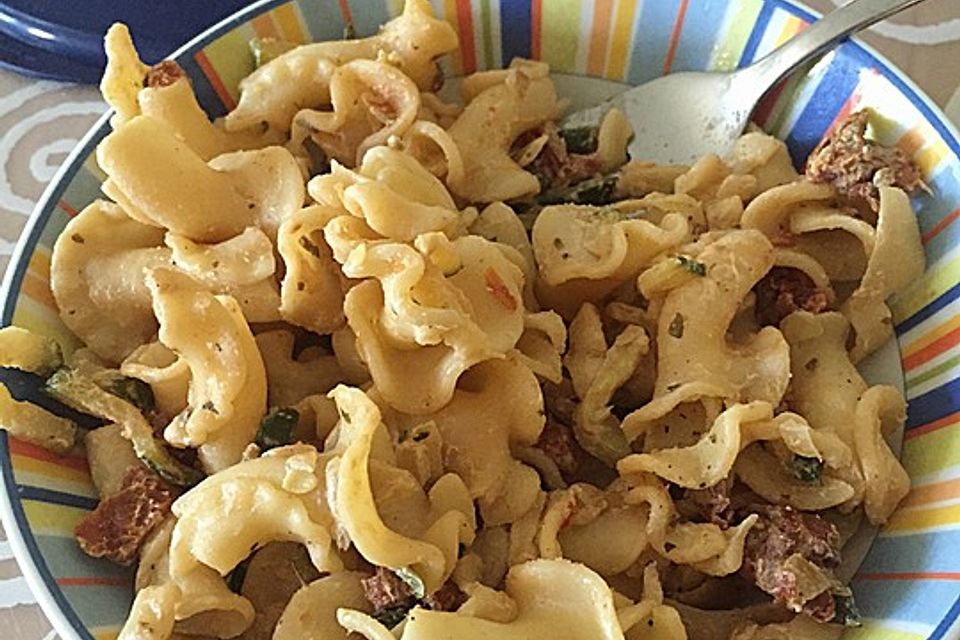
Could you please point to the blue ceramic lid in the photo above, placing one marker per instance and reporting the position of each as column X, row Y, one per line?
column 63, row 39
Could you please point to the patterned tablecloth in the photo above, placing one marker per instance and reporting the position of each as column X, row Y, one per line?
column 41, row 121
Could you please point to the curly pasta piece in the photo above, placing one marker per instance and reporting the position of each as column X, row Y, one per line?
column 825, row 385
column 167, row 374
column 392, row 193
column 241, row 267
column 417, row 380
column 880, row 411
column 577, row 517
column 895, row 263
column 471, row 315
column 541, row 344
column 164, row 93
column 766, row 476
column 506, row 104
column 431, row 557
column 478, row 429
column 123, row 75
column 597, row 372
column 270, row 182
column 311, row 293
column 199, row 600
column 277, row 497
column 244, row 259
column 709, row 460
column 371, row 101
column 301, row 77
column 650, row 490
column 162, row 182
column 228, row 391
column 770, row 212
column 97, row 276
column 694, row 356
column 575, row 241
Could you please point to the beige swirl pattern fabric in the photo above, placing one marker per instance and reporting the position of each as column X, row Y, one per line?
column 41, row 121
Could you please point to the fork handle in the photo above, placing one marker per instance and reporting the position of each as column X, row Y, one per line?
column 818, row 38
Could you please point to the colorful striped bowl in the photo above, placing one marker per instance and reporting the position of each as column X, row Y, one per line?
column 909, row 584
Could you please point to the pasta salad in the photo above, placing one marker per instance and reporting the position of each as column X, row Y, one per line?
column 359, row 359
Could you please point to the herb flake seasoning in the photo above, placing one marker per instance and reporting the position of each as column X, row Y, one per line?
column 580, row 139
column 806, row 469
column 695, row 267
column 276, row 428
column 846, row 612
column 676, row 326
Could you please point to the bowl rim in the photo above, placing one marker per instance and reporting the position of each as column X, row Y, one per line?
column 23, row 543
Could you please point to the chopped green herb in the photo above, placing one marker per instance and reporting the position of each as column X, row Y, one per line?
column 276, row 428
column 413, row 581
column 806, row 469
column 580, row 139
column 136, row 392
column 693, row 266
column 393, row 615
column 595, row 191
column 676, row 326
column 845, row 610
column 600, row 193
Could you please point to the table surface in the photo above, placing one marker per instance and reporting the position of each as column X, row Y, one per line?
column 41, row 121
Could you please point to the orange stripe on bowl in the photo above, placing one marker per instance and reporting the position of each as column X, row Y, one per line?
column 264, row 27
column 345, row 11
column 70, row 211
column 940, row 226
column 932, row 350
column 204, row 63
column 597, row 53
column 930, row 493
column 917, row 575
column 930, row 336
column 26, row 449
column 942, row 423
column 465, row 29
column 675, row 36
column 536, row 16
